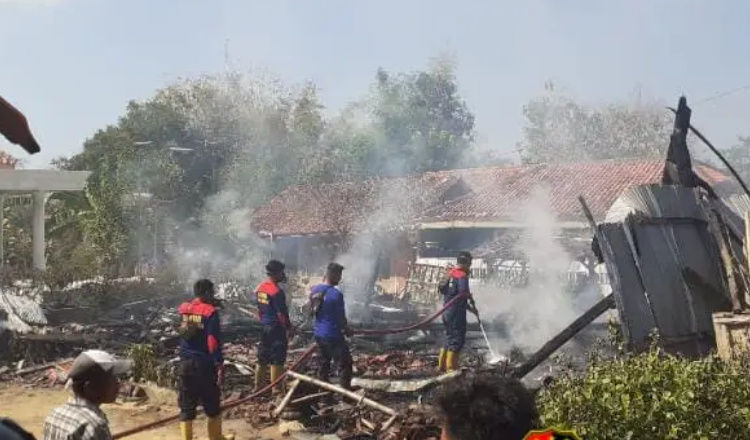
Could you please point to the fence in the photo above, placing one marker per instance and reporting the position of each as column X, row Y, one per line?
column 421, row 284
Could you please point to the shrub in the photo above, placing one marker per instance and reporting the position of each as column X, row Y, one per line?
column 652, row 395
column 145, row 363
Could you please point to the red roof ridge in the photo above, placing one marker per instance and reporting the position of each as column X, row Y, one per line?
column 480, row 194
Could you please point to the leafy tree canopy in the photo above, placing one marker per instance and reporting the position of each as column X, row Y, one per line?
column 559, row 129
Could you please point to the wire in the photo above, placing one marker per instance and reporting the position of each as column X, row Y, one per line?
column 414, row 326
column 723, row 94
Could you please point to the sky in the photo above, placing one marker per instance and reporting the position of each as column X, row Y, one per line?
column 72, row 65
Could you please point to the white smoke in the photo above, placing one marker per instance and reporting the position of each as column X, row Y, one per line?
column 377, row 235
column 224, row 246
column 536, row 312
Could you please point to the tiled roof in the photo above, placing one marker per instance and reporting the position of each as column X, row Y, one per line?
column 474, row 195
column 7, row 161
column 498, row 192
column 344, row 206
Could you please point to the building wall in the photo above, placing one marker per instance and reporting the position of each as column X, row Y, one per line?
column 447, row 243
column 311, row 254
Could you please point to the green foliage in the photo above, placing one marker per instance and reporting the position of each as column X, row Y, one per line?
column 559, row 129
column 104, row 224
column 207, row 151
column 652, row 395
column 739, row 157
column 145, row 362
column 422, row 121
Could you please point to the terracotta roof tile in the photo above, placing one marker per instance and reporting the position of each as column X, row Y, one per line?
column 480, row 194
column 343, row 206
column 600, row 183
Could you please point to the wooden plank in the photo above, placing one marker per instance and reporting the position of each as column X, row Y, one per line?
column 564, row 336
column 727, row 261
column 732, row 334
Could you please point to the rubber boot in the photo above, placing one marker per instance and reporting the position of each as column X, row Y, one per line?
column 276, row 372
column 214, row 429
column 261, row 372
column 186, row 430
column 441, row 359
column 345, row 381
column 451, row 361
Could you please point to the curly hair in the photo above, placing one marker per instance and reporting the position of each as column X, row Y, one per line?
column 485, row 406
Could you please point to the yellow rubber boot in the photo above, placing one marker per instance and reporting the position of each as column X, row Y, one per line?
column 451, row 361
column 186, row 430
column 214, row 429
column 276, row 372
column 261, row 372
column 441, row 359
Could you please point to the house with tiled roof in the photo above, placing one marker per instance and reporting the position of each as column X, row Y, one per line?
column 438, row 213
column 7, row 162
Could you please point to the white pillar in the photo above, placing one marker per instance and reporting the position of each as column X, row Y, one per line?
column 38, row 238
column 2, row 230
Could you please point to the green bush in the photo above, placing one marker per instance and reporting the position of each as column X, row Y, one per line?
column 145, row 362
column 652, row 395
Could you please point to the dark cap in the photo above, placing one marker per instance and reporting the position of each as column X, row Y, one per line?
column 94, row 363
column 275, row 267
column 335, row 268
column 464, row 257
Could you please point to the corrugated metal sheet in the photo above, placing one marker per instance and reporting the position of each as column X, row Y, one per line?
column 646, row 254
column 739, row 203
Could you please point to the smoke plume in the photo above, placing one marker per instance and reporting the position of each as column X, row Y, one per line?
column 536, row 312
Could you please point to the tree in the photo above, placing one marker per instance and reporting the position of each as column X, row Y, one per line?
column 207, row 151
column 558, row 129
column 422, row 123
column 104, row 223
column 739, row 157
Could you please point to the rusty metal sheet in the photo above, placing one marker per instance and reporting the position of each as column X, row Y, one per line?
column 666, row 231
column 633, row 308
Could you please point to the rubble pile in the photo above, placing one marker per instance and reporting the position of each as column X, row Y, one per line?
column 395, row 374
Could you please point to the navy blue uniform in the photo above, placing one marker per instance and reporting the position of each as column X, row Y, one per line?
column 274, row 319
column 328, row 328
column 200, row 359
column 454, row 317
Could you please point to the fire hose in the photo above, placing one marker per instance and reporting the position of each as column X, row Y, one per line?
column 305, row 355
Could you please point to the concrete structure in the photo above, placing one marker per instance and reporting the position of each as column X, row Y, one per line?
column 41, row 184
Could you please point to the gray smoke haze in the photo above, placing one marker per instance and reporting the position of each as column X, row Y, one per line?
column 224, row 246
column 536, row 312
column 378, row 234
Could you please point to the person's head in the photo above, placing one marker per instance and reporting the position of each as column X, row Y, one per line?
column 486, row 406
column 464, row 260
column 204, row 289
column 333, row 273
column 93, row 376
column 275, row 271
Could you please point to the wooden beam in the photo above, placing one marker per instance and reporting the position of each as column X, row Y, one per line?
column 564, row 336
column 344, row 392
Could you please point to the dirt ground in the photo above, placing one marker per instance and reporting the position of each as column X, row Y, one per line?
column 29, row 407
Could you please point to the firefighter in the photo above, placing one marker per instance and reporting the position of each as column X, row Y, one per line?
column 276, row 327
column 454, row 318
column 201, row 370
column 331, row 326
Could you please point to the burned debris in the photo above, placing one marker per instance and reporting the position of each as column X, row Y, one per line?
column 671, row 246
